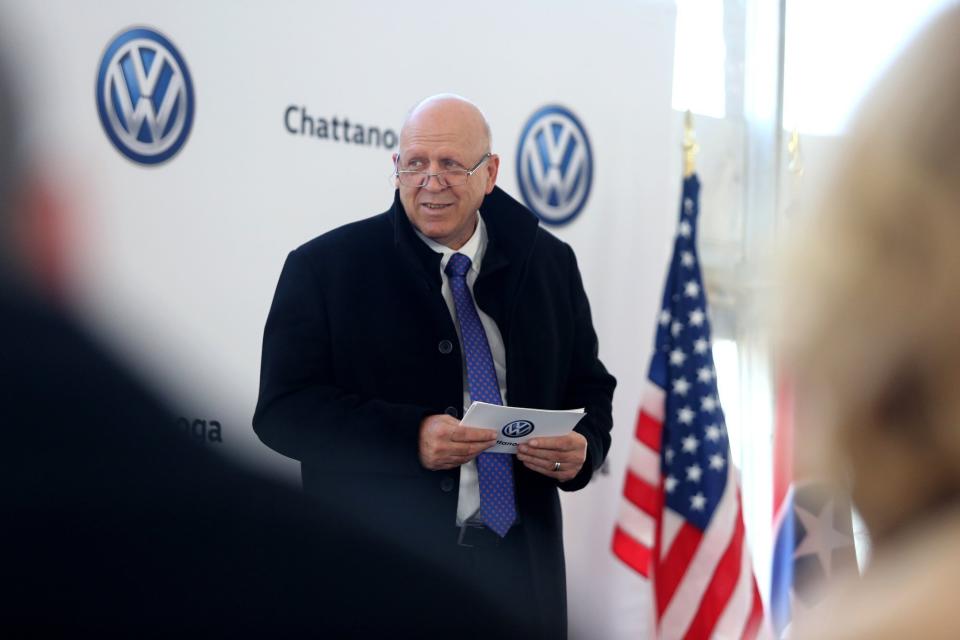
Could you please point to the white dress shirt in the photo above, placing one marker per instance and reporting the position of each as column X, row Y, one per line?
column 468, row 503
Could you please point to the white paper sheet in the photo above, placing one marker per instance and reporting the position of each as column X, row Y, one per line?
column 517, row 424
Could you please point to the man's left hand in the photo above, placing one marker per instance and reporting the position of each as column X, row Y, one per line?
column 542, row 455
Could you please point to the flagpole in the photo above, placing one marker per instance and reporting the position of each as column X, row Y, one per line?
column 690, row 146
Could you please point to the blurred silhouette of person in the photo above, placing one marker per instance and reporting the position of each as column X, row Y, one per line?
column 874, row 342
column 114, row 523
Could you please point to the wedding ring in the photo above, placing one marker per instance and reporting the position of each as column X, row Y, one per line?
column 556, row 466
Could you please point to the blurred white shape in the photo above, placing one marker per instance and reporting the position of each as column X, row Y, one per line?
column 726, row 361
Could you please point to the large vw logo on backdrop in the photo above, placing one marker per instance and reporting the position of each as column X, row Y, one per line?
column 554, row 165
column 145, row 96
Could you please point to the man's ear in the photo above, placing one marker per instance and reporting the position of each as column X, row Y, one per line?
column 492, row 171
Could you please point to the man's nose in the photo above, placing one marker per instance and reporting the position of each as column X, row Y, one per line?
column 434, row 183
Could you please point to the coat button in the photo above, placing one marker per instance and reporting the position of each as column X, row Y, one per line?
column 446, row 485
column 445, row 347
column 451, row 411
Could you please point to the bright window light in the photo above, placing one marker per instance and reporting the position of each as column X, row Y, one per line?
column 835, row 50
column 726, row 362
column 699, row 58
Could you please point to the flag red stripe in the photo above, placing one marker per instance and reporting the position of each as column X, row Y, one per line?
column 752, row 629
column 633, row 553
column 670, row 572
column 649, row 430
column 721, row 587
column 640, row 493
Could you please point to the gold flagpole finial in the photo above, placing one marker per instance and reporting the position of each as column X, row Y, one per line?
column 690, row 146
column 796, row 157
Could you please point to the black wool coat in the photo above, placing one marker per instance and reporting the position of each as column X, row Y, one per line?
column 359, row 347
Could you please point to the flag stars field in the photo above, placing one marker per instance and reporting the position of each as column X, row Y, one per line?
column 694, row 473
column 681, row 386
column 698, row 502
column 670, row 484
column 690, row 444
column 713, row 433
column 708, row 404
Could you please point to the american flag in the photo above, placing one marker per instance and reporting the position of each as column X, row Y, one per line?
column 681, row 523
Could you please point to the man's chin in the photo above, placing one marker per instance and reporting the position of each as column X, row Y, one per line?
column 436, row 232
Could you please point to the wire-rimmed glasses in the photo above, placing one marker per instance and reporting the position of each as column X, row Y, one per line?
column 447, row 178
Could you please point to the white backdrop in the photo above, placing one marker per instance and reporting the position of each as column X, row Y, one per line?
column 177, row 263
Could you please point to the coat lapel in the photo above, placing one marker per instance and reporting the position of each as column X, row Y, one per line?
column 418, row 256
column 511, row 233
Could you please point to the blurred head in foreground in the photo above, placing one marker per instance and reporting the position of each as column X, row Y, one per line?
column 11, row 176
column 34, row 247
column 873, row 336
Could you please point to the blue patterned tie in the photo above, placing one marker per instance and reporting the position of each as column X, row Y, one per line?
column 497, row 503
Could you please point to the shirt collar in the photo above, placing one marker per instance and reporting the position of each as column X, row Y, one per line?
column 474, row 248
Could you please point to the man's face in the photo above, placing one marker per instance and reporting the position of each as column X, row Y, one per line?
column 441, row 136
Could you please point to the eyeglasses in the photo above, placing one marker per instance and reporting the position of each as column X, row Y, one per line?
column 448, row 178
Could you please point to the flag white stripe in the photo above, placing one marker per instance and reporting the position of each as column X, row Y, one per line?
column 737, row 611
column 636, row 523
column 686, row 600
column 644, row 462
column 669, row 528
column 654, row 401
column 766, row 630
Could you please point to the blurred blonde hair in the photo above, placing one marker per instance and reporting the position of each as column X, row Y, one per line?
column 873, row 295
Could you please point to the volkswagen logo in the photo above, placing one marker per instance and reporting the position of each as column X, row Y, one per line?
column 518, row 429
column 554, row 165
column 144, row 96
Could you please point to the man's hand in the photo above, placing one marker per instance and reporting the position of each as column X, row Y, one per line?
column 445, row 443
column 542, row 455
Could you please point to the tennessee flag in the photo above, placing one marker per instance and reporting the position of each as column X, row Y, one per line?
column 813, row 529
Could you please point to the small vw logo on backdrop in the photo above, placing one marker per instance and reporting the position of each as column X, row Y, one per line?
column 517, row 429
column 145, row 96
column 554, row 165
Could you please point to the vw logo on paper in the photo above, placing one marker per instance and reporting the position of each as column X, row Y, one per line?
column 145, row 96
column 554, row 165
column 518, row 429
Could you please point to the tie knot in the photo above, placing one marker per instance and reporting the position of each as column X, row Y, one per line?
column 458, row 266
